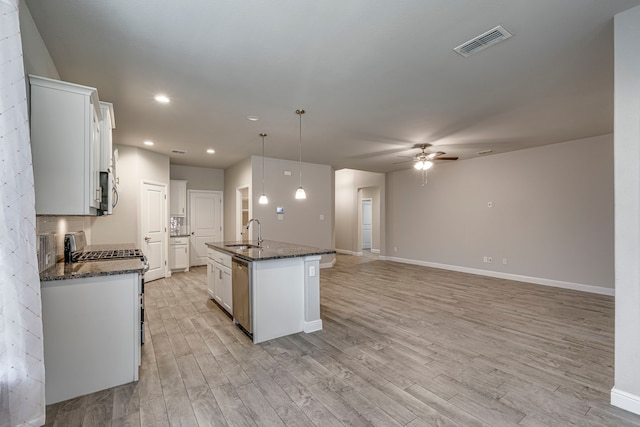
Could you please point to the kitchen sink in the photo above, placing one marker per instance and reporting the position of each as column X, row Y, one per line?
column 241, row 246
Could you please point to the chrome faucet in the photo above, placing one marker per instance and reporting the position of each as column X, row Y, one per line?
column 259, row 230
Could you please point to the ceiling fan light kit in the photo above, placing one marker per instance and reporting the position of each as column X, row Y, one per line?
column 423, row 164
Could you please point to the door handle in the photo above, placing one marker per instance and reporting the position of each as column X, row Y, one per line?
column 147, row 238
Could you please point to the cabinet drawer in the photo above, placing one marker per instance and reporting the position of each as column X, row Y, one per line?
column 219, row 257
column 179, row 241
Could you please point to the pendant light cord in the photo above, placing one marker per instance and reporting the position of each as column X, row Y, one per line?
column 300, row 113
column 263, row 135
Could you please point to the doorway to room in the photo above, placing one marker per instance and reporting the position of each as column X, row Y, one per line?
column 368, row 221
column 366, row 224
column 153, row 229
column 205, row 223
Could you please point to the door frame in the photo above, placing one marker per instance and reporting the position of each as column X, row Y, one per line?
column 165, row 221
column 188, row 217
column 238, row 231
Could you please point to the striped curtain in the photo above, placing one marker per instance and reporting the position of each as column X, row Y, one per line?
column 22, row 401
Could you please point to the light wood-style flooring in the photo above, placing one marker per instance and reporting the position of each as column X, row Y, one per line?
column 401, row 345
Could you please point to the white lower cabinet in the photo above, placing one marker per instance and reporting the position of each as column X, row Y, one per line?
column 179, row 253
column 219, row 279
column 91, row 330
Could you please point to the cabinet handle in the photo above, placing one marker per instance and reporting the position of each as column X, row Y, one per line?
column 220, row 274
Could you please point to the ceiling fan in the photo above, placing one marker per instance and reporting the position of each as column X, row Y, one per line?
column 424, row 160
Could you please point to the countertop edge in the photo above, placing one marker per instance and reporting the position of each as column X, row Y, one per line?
column 60, row 270
column 305, row 251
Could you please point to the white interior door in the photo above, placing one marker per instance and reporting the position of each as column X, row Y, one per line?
column 154, row 229
column 205, row 221
column 367, row 223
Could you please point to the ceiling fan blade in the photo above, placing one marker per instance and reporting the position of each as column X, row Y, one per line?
column 402, row 161
column 446, row 158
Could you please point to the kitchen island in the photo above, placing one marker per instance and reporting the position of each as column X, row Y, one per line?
column 283, row 292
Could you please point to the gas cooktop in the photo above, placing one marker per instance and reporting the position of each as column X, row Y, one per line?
column 106, row 255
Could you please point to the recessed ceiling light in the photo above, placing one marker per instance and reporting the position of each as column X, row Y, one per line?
column 211, row 151
column 148, row 143
column 164, row 99
column 253, row 118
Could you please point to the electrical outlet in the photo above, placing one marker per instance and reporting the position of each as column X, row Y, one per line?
column 490, row 204
column 504, row 261
column 395, row 249
column 490, row 260
column 485, row 259
column 312, row 271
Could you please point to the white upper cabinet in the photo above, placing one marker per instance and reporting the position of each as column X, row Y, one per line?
column 66, row 147
column 107, row 125
column 178, row 197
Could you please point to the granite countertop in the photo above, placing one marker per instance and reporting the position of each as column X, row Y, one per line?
column 268, row 251
column 77, row 270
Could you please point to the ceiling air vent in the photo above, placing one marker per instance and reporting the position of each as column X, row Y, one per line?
column 176, row 151
column 484, row 153
column 483, row 41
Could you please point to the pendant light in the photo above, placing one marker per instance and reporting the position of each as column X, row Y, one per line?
column 263, row 199
column 300, row 194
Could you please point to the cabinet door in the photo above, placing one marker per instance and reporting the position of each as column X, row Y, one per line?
column 211, row 273
column 106, row 136
column 94, row 171
column 178, row 256
column 217, row 282
column 64, row 130
column 227, row 291
column 178, row 199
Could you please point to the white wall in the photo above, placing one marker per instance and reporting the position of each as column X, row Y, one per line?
column 199, row 178
column 135, row 165
column 238, row 175
column 37, row 59
column 552, row 214
column 626, row 392
column 348, row 182
column 301, row 223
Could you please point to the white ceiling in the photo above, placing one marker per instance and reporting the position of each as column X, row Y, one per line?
column 375, row 77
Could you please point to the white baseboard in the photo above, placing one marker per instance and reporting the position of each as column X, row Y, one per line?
column 328, row 264
column 509, row 276
column 375, row 251
column 347, row 252
column 627, row 401
column 313, row 326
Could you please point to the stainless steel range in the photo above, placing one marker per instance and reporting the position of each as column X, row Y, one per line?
column 74, row 251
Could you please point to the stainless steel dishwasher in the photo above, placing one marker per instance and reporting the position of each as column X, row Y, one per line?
column 241, row 285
